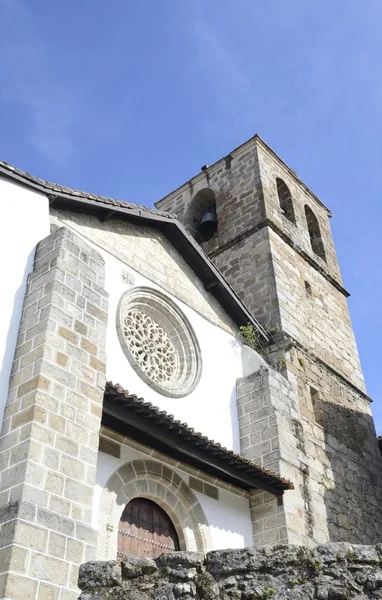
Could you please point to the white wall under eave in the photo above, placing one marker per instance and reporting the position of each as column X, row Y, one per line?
column 228, row 518
column 211, row 408
column 24, row 224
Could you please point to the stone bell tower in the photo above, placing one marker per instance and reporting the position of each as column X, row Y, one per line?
column 273, row 243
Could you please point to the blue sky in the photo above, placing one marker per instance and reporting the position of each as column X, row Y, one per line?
column 129, row 99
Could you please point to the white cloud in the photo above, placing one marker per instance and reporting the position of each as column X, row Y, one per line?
column 30, row 79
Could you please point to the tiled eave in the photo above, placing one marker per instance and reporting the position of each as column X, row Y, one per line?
column 140, row 420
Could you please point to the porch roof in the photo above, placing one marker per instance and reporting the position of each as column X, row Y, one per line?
column 132, row 416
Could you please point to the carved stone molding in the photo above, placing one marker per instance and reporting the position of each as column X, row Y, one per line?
column 158, row 341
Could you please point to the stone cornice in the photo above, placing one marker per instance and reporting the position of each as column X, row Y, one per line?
column 288, row 240
column 329, row 368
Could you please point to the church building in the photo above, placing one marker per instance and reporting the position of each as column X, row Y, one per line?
column 178, row 378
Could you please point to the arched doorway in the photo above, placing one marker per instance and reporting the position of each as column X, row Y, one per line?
column 145, row 529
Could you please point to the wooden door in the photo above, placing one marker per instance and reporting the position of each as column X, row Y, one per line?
column 145, row 530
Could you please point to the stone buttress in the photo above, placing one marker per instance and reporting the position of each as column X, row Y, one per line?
column 49, row 438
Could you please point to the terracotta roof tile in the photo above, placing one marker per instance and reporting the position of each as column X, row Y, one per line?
column 201, row 440
column 54, row 187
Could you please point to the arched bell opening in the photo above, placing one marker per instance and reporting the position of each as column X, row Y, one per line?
column 285, row 200
column 203, row 214
column 145, row 529
column 314, row 233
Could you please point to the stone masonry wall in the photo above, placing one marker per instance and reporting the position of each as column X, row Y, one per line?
column 270, row 167
column 270, row 264
column 267, row 259
column 327, row 572
column 248, row 268
column 49, row 437
column 319, row 318
column 344, row 460
column 235, row 182
column 270, row 434
column 320, row 434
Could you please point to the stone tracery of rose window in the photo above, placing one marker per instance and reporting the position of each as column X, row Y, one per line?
column 150, row 346
column 159, row 341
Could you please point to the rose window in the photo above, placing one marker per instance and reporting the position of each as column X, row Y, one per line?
column 158, row 341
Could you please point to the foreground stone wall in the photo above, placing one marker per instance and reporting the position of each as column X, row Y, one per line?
column 327, row 572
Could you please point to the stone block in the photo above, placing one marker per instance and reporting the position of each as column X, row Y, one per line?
column 56, row 423
column 77, row 400
column 38, row 432
column 58, row 374
column 264, row 510
column 77, row 353
column 58, row 315
column 74, row 490
column 74, row 551
column 77, row 432
column 30, row 536
column 46, row 401
column 96, row 312
column 16, row 587
column 29, row 493
column 97, row 364
column 72, row 467
column 37, row 383
column 33, row 413
column 86, row 534
column 57, row 545
column 48, row 569
column 72, row 595
column 54, row 522
column 17, row 509
column 54, row 482
column 81, row 327
column 88, row 346
column 27, row 449
column 68, row 335
column 48, row 325
column 66, row 445
column 60, row 505
column 48, row 592
column 14, row 558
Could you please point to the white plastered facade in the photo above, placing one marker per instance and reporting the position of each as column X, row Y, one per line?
column 27, row 223
column 202, row 523
column 210, row 409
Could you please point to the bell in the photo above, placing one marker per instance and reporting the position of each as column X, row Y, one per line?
column 208, row 224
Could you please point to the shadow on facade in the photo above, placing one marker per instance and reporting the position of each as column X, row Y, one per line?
column 352, row 474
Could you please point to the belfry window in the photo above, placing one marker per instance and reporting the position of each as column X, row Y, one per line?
column 285, row 199
column 314, row 233
column 203, row 210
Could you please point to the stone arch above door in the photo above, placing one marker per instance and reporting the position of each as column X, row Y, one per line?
column 155, row 481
